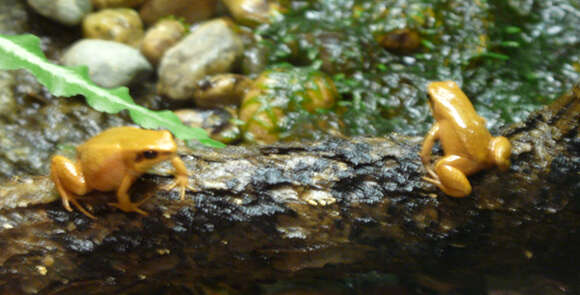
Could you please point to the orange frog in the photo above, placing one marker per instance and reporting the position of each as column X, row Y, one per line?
column 467, row 144
column 113, row 160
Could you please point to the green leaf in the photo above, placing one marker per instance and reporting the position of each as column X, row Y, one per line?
column 428, row 44
column 494, row 55
column 512, row 44
column 23, row 52
column 512, row 30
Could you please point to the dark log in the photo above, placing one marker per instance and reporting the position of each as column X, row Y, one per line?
column 325, row 209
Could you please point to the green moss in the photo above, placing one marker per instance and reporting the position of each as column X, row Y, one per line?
column 287, row 102
column 508, row 56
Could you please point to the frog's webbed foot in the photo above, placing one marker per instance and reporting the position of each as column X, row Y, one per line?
column 181, row 181
column 74, row 201
column 131, row 207
column 432, row 174
column 428, row 168
column 68, row 198
column 434, row 180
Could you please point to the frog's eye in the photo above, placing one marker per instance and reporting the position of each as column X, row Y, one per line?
column 430, row 98
column 150, row 154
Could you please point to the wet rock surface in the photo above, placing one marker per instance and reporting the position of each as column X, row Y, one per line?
column 111, row 64
column 295, row 210
column 283, row 222
column 212, row 48
column 250, row 12
column 218, row 122
column 7, row 100
column 67, row 12
column 190, row 11
column 402, row 41
column 160, row 37
column 34, row 125
column 13, row 17
column 222, row 90
column 99, row 4
column 121, row 25
column 266, row 107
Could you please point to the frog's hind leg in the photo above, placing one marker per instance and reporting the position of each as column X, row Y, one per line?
column 451, row 179
column 69, row 182
column 453, row 182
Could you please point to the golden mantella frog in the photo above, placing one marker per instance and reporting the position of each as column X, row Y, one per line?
column 113, row 160
column 467, row 144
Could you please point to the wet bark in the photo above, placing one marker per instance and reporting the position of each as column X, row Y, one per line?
column 325, row 209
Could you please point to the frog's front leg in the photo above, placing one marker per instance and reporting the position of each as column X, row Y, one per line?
column 123, row 198
column 428, row 143
column 181, row 177
column 69, row 181
column 451, row 174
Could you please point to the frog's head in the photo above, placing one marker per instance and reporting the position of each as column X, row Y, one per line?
column 448, row 100
column 441, row 95
column 153, row 148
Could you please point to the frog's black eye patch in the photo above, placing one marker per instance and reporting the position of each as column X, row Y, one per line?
column 430, row 98
column 150, row 154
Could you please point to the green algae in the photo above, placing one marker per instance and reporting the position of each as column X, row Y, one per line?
column 510, row 57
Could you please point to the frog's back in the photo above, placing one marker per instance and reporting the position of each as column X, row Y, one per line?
column 471, row 129
column 121, row 135
column 132, row 139
column 475, row 138
column 465, row 130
